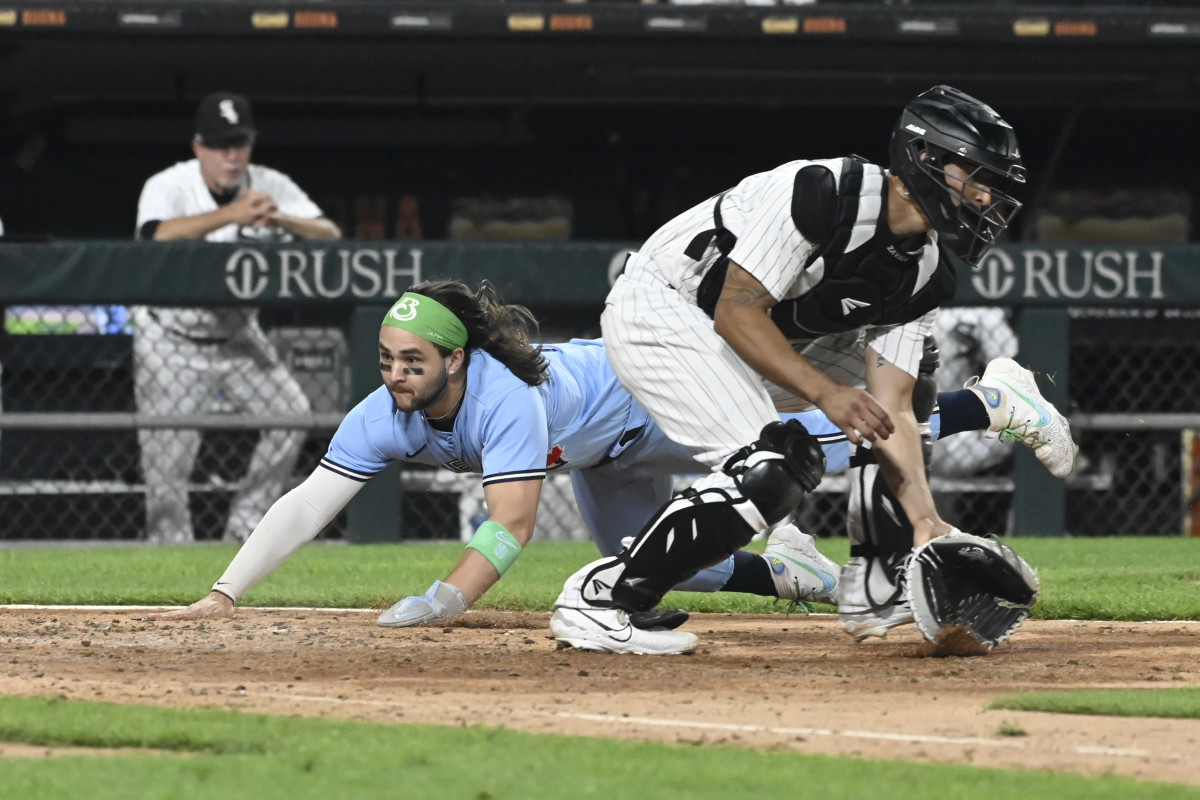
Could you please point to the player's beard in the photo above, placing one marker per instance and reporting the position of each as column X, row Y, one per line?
column 421, row 400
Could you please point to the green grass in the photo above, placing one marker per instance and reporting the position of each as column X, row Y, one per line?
column 1148, row 578
column 335, row 576
column 1180, row 703
column 231, row 755
column 1118, row 578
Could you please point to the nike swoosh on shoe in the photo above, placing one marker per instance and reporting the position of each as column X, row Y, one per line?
column 827, row 580
column 1043, row 412
column 627, row 630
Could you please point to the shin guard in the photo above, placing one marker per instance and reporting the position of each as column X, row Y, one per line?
column 880, row 533
column 695, row 530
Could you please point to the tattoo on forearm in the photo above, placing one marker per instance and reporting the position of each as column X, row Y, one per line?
column 743, row 296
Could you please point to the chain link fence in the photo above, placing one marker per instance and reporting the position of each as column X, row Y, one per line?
column 126, row 431
column 91, row 450
column 1134, row 378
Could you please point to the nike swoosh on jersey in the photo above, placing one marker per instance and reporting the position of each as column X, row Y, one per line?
column 414, row 452
column 1043, row 413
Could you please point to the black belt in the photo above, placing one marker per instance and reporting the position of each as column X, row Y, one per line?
column 626, row 437
column 202, row 340
column 206, row 340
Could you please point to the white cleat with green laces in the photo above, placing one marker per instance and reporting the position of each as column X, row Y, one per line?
column 800, row 571
column 1018, row 413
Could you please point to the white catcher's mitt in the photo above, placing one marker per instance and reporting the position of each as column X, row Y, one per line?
column 970, row 583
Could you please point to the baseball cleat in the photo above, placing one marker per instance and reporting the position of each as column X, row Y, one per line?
column 799, row 570
column 873, row 610
column 609, row 630
column 442, row 601
column 865, row 624
column 666, row 620
column 1018, row 413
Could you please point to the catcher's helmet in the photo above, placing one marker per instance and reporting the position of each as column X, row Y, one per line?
column 945, row 125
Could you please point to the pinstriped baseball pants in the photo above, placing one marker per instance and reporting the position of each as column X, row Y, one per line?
column 667, row 354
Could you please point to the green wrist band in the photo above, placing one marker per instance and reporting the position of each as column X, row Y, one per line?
column 495, row 544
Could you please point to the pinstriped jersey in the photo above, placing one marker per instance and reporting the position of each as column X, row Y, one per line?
column 180, row 191
column 505, row 429
column 759, row 212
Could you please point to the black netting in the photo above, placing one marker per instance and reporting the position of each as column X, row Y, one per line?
column 62, row 479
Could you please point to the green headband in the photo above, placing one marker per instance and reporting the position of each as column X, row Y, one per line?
column 428, row 319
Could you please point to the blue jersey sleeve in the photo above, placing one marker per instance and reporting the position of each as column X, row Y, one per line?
column 515, row 438
column 353, row 452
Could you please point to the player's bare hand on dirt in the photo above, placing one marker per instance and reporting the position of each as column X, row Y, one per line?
column 857, row 413
column 215, row 606
column 252, row 208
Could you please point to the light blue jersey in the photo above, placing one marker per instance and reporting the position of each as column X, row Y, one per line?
column 580, row 420
column 505, row 429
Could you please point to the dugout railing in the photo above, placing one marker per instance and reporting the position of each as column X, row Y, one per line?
column 1111, row 332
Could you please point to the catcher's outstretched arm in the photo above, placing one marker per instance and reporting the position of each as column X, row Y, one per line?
column 900, row 458
column 741, row 319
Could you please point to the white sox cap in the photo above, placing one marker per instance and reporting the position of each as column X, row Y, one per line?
column 224, row 119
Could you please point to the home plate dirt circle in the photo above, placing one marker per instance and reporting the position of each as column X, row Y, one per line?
column 763, row 681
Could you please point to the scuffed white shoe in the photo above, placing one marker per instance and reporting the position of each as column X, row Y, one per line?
column 609, row 630
column 1018, row 413
column 871, row 605
column 441, row 601
column 799, row 569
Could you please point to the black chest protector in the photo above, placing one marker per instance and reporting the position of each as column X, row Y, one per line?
column 870, row 285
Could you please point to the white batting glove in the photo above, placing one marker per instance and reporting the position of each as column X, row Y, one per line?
column 441, row 601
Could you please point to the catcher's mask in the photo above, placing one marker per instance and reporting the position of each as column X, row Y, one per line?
column 942, row 126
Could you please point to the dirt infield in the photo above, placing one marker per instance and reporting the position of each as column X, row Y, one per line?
column 759, row 681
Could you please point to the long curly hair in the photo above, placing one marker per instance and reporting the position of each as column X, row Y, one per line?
column 502, row 331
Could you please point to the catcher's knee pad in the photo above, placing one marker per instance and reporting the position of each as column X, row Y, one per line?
column 775, row 472
column 695, row 530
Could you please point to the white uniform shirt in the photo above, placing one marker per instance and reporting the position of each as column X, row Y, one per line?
column 758, row 211
column 180, row 191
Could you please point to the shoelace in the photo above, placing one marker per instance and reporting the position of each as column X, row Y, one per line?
column 796, row 605
column 1022, row 434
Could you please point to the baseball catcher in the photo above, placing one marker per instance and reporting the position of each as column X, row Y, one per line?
column 959, row 583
